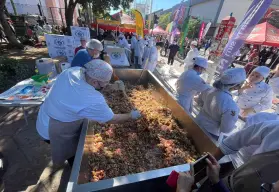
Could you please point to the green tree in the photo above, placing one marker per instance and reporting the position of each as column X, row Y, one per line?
column 193, row 28
column 164, row 20
column 99, row 7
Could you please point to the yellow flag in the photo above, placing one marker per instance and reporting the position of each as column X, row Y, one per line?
column 139, row 23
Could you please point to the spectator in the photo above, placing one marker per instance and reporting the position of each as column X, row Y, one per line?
column 48, row 28
column 166, row 46
column 207, row 45
column 174, row 48
column 82, row 45
column 186, row 180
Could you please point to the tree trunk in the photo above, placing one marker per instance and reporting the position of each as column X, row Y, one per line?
column 69, row 15
column 7, row 30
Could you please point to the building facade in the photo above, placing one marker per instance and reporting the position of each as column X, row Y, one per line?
column 53, row 10
column 215, row 10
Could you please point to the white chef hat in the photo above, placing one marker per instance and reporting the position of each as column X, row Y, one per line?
column 134, row 33
column 99, row 70
column 140, row 37
column 94, row 44
column 233, row 76
column 263, row 70
column 194, row 43
column 200, row 61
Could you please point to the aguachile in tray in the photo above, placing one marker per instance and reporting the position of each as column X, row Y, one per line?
column 155, row 141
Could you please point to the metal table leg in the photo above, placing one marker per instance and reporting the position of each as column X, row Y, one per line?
column 25, row 115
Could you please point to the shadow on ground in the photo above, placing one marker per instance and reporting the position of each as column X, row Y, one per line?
column 28, row 156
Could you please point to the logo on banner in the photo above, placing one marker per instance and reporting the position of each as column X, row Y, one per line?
column 61, row 52
column 79, row 34
column 115, row 55
column 59, row 42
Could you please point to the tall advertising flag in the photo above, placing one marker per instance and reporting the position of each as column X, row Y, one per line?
column 201, row 31
column 206, row 29
column 139, row 23
column 179, row 13
column 253, row 15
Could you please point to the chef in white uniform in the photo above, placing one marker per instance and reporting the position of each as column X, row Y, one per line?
column 254, row 139
column 146, row 52
column 190, row 84
column 139, row 49
column 194, row 52
column 152, row 56
column 133, row 45
column 219, row 112
column 73, row 98
column 274, row 83
column 255, row 95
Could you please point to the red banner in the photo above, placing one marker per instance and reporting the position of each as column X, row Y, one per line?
column 201, row 31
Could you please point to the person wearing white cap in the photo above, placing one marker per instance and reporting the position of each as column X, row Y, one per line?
column 194, row 52
column 122, row 42
column 190, row 84
column 73, row 98
column 82, row 45
column 219, row 112
column 139, row 50
column 251, row 140
column 255, row 95
column 133, row 45
column 152, row 56
column 92, row 51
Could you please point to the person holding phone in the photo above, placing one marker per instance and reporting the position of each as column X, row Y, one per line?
column 186, row 179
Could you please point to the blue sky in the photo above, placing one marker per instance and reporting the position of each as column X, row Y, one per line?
column 158, row 4
column 164, row 4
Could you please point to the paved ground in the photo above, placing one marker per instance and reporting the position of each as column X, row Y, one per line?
column 29, row 160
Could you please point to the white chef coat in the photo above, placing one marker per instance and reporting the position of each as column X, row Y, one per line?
column 219, row 112
column 71, row 98
column 152, row 59
column 188, row 62
column 274, row 83
column 258, row 97
column 255, row 139
column 145, row 55
column 123, row 43
column 42, row 123
column 133, row 42
column 188, row 85
column 139, row 49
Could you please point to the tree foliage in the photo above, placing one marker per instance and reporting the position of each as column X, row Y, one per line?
column 99, row 7
column 193, row 27
column 164, row 20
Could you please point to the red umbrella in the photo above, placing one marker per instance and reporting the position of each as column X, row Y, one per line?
column 264, row 34
column 158, row 30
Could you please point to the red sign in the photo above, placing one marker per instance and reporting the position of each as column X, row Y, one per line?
column 201, row 31
column 222, row 37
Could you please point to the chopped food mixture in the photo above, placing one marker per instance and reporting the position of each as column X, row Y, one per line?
column 155, row 141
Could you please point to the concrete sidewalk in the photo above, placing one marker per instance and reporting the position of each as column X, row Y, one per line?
column 28, row 156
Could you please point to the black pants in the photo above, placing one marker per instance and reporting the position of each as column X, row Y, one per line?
column 170, row 60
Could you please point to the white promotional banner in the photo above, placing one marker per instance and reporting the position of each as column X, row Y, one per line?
column 206, row 29
column 60, row 45
column 79, row 32
column 117, row 56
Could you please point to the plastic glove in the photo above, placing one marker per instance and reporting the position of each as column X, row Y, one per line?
column 120, row 85
column 135, row 114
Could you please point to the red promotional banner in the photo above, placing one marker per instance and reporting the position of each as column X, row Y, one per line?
column 201, row 31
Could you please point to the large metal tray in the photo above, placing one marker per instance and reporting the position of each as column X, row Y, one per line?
column 146, row 181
